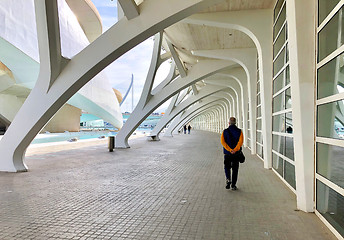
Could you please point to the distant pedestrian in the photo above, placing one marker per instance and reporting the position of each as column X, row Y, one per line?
column 231, row 140
column 189, row 129
column 184, row 129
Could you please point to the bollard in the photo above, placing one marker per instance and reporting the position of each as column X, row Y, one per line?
column 111, row 143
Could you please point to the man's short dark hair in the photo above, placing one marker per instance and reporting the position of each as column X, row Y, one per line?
column 232, row 121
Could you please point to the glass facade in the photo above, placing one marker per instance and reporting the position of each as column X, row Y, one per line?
column 330, row 114
column 259, row 135
column 248, row 127
column 282, row 120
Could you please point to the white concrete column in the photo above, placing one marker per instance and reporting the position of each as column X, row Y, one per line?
column 302, row 37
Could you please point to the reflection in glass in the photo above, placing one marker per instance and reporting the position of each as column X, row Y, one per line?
column 259, row 137
column 278, row 143
column 278, row 102
column 289, row 148
column 259, row 124
column 279, row 62
column 287, row 53
column 289, row 174
column 330, row 163
column 278, row 82
column 277, row 8
column 288, row 98
column 277, row 164
column 330, row 117
column 278, row 123
column 325, row 7
column 259, row 113
column 287, row 80
column 259, row 150
column 330, row 76
column 289, row 122
column 279, row 42
column 331, row 206
column 279, row 22
column 331, row 36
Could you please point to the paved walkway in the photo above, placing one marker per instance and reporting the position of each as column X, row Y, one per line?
column 172, row 189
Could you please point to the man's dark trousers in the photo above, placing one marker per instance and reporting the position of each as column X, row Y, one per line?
column 231, row 162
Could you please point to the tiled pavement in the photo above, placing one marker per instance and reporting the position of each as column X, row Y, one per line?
column 172, row 189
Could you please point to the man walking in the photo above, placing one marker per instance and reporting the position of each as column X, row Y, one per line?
column 231, row 140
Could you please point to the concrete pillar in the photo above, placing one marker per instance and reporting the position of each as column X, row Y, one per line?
column 302, row 37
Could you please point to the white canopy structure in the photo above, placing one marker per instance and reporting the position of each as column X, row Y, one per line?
column 256, row 60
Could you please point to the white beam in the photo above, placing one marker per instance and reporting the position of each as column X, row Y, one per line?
column 130, row 9
column 180, row 65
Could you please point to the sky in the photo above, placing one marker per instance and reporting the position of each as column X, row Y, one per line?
column 136, row 61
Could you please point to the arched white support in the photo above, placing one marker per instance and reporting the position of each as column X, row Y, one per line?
column 247, row 59
column 182, row 116
column 199, row 71
column 60, row 79
column 260, row 31
column 240, row 76
column 171, row 114
column 225, row 80
column 177, row 122
column 207, row 111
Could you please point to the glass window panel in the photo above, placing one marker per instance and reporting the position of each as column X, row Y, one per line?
column 278, row 143
column 287, row 53
column 279, row 62
column 259, row 137
column 278, row 8
column 288, row 98
column 279, row 42
column 330, row 76
column 289, row 174
column 331, row 206
column 286, row 32
column 259, row 124
column 262, row 156
column 289, row 122
column 258, row 99
column 279, row 22
column 278, row 102
column 278, row 83
column 278, row 123
column 331, row 36
column 277, row 163
column 325, row 7
column 289, row 148
column 259, row 111
column 259, row 150
column 330, row 163
column 257, row 73
column 287, row 79
column 330, row 120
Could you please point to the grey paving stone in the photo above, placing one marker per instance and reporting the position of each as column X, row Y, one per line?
column 171, row 189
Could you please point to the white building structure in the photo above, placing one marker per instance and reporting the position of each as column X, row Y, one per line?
column 80, row 24
column 276, row 65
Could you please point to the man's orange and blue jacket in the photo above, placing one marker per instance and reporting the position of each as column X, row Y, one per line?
column 231, row 139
